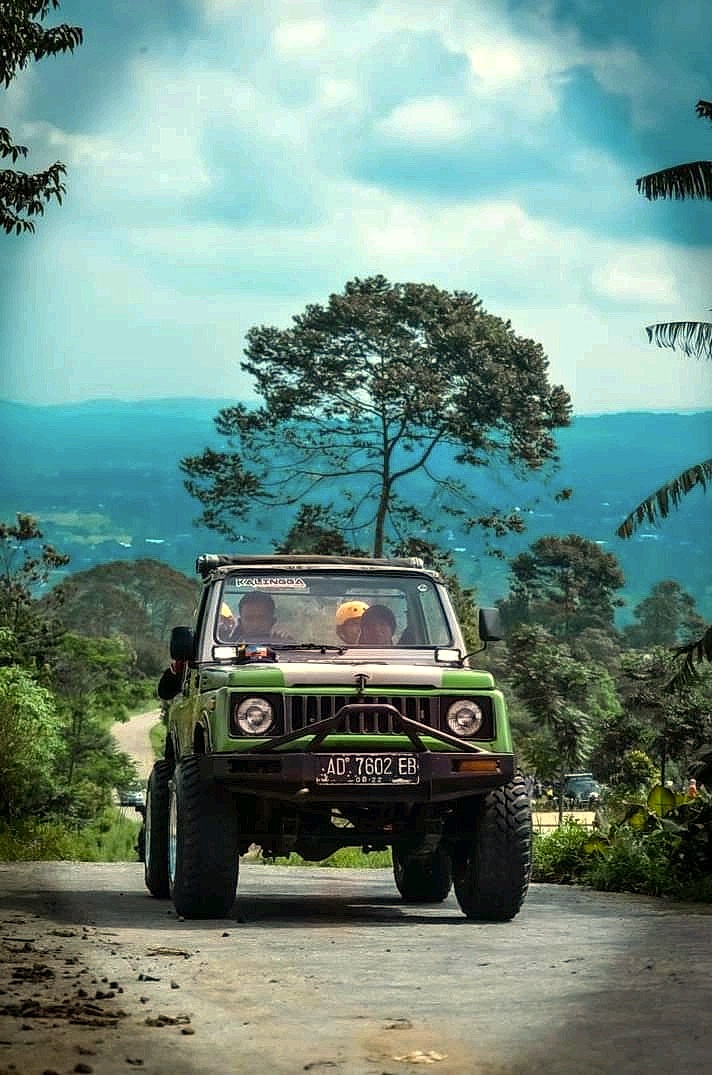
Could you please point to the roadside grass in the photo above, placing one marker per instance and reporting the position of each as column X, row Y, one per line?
column 345, row 858
column 110, row 837
column 157, row 737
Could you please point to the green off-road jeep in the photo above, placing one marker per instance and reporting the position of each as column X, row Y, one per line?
column 328, row 702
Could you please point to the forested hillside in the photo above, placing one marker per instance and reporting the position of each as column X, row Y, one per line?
column 104, row 481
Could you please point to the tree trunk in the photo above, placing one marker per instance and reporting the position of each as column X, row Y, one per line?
column 561, row 797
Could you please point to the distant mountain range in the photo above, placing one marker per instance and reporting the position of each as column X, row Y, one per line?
column 103, row 479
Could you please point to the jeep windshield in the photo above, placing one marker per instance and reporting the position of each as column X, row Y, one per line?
column 343, row 610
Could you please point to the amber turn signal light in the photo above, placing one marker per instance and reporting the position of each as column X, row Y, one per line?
column 476, row 765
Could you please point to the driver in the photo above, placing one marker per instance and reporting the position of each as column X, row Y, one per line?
column 256, row 620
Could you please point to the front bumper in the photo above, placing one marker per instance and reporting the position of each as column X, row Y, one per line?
column 270, row 770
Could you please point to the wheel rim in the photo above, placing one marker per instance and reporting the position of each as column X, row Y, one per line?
column 172, row 836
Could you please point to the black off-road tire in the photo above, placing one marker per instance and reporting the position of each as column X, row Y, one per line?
column 492, row 869
column 423, row 879
column 205, row 868
column 140, row 847
column 155, row 841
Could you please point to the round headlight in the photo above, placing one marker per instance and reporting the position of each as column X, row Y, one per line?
column 254, row 716
column 464, row 718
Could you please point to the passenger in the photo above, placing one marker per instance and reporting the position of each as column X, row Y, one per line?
column 226, row 622
column 348, row 621
column 378, row 626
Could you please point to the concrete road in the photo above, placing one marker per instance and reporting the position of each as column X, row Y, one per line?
column 325, row 971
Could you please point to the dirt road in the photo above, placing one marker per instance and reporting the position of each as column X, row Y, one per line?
column 325, row 971
column 132, row 737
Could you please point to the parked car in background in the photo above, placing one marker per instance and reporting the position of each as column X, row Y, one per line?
column 582, row 790
column 133, row 797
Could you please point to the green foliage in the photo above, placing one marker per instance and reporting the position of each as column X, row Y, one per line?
column 677, row 724
column 559, row 856
column 26, row 563
column 636, row 773
column 139, row 601
column 360, row 394
column 566, row 584
column 95, row 671
column 632, row 864
column 29, row 741
column 93, row 684
column 316, row 531
column 157, row 737
column 556, row 689
column 667, row 616
column 661, row 847
column 691, row 654
column 25, row 39
column 110, row 837
column 57, row 754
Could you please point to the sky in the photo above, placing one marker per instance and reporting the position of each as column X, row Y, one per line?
column 231, row 161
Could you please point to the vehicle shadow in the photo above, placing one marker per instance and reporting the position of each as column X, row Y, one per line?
column 304, row 898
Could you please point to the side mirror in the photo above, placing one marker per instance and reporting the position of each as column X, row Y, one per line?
column 182, row 643
column 489, row 625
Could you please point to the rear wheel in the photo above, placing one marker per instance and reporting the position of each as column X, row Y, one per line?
column 492, row 869
column 422, row 879
column 203, row 848
column 155, row 842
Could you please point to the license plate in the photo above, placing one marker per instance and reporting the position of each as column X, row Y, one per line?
column 367, row 769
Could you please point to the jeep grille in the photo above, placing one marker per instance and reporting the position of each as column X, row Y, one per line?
column 305, row 709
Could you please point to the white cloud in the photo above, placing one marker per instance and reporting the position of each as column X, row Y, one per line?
column 639, row 276
column 427, row 121
column 300, row 35
column 337, row 92
column 510, row 72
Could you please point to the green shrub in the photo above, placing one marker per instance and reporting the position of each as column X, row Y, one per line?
column 559, row 855
column 634, row 862
column 36, row 841
column 110, row 837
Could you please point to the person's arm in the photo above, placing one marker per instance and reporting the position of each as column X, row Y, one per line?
column 171, row 682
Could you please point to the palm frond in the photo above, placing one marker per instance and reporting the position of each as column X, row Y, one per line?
column 704, row 109
column 693, row 653
column 690, row 180
column 668, row 496
column 694, row 338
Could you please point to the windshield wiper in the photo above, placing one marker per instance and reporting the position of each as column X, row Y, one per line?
column 321, row 646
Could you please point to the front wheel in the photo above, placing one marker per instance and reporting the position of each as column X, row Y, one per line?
column 422, row 879
column 155, row 831
column 203, row 847
column 492, row 869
